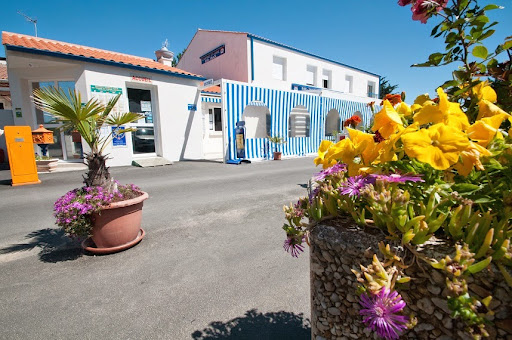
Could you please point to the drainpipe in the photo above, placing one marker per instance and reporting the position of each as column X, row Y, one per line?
column 252, row 59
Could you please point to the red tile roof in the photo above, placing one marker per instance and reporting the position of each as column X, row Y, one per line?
column 212, row 89
column 3, row 72
column 27, row 41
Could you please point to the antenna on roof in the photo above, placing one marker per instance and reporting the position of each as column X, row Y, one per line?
column 32, row 20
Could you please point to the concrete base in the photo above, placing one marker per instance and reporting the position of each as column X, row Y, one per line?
column 151, row 162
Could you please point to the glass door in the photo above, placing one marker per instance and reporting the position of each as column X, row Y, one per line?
column 64, row 147
column 143, row 137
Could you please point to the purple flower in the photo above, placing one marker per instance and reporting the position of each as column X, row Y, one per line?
column 293, row 246
column 338, row 167
column 397, row 178
column 353, row 185
column 313, row 194
column 381, row 313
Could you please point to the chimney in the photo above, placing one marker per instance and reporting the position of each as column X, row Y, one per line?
column 163, row 55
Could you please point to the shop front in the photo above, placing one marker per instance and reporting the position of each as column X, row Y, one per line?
column 162, row 95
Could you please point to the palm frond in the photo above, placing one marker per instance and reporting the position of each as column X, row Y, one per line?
column 119, row 119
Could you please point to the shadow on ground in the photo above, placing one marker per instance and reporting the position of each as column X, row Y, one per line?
column 54, row 246
column 255, row 325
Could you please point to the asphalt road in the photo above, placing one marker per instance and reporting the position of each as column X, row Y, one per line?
column 211, row 265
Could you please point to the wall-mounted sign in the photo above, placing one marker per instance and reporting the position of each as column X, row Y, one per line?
column 106, row 89
column 208, row 82
column 118, row 138
column 192, row 107
column 17, row 112
column 299, row 87
column 213, row 54
column 141, row 79
column 145, row 105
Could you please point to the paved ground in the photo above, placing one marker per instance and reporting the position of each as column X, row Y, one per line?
column 211, row 266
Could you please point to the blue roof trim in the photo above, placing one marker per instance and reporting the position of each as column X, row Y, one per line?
column 99, row 61
column 307, row 53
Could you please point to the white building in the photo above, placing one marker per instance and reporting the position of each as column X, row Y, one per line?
column 259, row 61
column 168, row 97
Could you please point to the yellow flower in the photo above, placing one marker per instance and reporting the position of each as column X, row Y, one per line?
column 484, row 92
column 404, row 109
column 343, row 151
column 440, row 145
column 420, row 100
column 387, row 147
column 446, row 112
column 471, row 158
column 387, row 121
column 364, row 145
column 488, row 109
column 322, row 150
column 484, row 130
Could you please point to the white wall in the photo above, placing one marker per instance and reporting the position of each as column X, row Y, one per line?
column 6, row 119
column 297, row 64
column 178, row 131
column 232, row 64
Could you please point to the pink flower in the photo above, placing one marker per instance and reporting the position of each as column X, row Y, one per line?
column 381, row 312
column 404, row 2
column 293, row 245
column 423, row 9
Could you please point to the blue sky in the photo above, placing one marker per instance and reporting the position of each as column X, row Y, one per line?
column 377, row 35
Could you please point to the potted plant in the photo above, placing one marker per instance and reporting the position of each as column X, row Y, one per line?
column 104, row 210
column 46, row 163
column 410, row 225
column 276, row 140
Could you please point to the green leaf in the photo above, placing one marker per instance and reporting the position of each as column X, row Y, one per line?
column 479, row 266
column 481, row 19
column 480, row 52
column 507, row 45
column 491, row 7
column 482, row 200
column 435, row 58
column 486, row 35
column 466, row 188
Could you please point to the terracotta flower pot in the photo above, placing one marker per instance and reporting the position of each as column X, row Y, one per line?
column 119, row 224
column 277, row 156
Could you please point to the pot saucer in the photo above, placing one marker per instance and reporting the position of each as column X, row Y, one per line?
column 89, row 245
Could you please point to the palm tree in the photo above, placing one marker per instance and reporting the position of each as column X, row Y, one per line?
column 87, row 119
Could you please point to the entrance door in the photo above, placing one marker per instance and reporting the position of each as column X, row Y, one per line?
column 63, row 147
column 143, row 137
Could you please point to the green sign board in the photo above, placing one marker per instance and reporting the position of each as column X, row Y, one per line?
column 106, row 89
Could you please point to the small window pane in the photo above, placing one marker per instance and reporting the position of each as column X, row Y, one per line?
column 210, row 119
column 279, row 68
column 218, row 119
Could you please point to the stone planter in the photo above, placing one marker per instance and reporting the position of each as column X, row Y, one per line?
column 47, row 165
column 339, row 245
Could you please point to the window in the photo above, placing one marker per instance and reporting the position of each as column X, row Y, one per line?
column 332, row 122
column 326, row 79
column 299, row 122
column 349, row 84
column 311, row 75
column 371, row 90
column 279, row 68
column 45, row 117
column 1, row 106
column 257, row 120
column 215, row 119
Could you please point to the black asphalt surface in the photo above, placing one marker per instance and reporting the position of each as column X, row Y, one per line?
column 211, row 265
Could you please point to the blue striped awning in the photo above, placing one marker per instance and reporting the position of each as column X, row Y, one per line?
column 211, row 99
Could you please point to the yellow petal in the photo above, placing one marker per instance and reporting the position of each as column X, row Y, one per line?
column 429, row 113
column 484, row 92
column 420, row 100
column 488, row 109
column 387, row 121
column 404, row 109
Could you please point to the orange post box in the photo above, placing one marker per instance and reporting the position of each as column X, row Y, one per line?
column 21, row 155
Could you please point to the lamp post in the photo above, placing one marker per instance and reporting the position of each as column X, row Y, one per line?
column 42, row 137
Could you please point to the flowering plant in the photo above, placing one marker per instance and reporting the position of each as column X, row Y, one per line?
column 352, row 121
column 74, row 211
column 437, row 169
